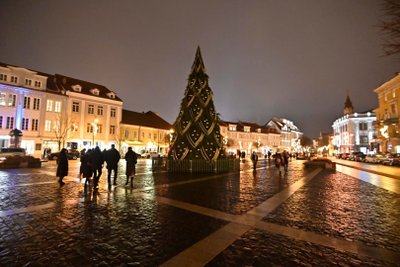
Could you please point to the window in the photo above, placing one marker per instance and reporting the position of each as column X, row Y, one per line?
column 150, row 136
column 28, row 82
column 246, row 129
column 14, row 79
column 142, row 135
column 10, row 123
column 47, row 125
column 35, row 123
column 95, row 91
column 113, row 113
column 99, row 128
column 38, row 84
column 1, row 122
column 363, row 126
column 25, row 123
column 135, row 135
column 49, row 106
column 232, row 127
column 393, row 109
column 2, row 99
column 75, row 106
column 12, row 100
column 89, row 128
column 126, row 134
column 57, row 106
column 90, row 109
column 100, row 110
column 27, row 102
column 36, row 103
column 112, row 129
column 3, row 77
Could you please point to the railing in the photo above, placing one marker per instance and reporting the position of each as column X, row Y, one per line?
column 196, row 166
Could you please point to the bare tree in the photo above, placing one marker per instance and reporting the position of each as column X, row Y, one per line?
column 63, row 126
column 391, row 27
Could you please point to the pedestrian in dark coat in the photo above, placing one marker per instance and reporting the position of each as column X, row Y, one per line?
column 62, row 166
column 83, row 151
column 112, row 159
column 131, row 160
column 86, row 167
column 254, row 159
column 96, row 160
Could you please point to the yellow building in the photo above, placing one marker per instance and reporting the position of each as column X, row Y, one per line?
column 144, row 132
column 387, row 115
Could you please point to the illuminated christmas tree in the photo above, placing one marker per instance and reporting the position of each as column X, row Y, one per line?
column 197, row 134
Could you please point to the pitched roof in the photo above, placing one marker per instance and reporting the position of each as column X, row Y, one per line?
column 62, row 82
column 148, row 119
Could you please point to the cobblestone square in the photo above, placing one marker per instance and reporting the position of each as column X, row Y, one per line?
column 306, row 217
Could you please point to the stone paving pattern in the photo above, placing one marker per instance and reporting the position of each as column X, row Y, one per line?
column 338, row 205
column 128, row 227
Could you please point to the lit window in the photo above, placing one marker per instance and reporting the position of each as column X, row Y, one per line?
column 47, row 125
column 12, row 100
column 49, row 106
column 89, row 128
column 99, row 128
column 2, row 99
column 57, row 106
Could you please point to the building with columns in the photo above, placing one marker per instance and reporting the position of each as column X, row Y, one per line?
column 387, row 115
column 354, row 132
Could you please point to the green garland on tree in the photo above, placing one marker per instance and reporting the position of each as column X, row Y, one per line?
column 197, row 134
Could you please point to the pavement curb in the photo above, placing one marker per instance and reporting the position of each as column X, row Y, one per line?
column 369, row 170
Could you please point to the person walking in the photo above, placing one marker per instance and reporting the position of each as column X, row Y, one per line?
column 131, row 160
column 96, row 162
column 112, row 158
column 82, row 154
column 254, row 159
column 285, row 159
column 86, row 167
column 278, row 162
column 62, row 166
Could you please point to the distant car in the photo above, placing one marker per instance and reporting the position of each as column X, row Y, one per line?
column 358, row 156
column 71, row 154
column 150, row 155
column 301, row 156
column 345, row 156
column 6, row 152
column 387, row 159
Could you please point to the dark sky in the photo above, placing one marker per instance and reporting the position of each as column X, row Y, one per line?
column 293, row 59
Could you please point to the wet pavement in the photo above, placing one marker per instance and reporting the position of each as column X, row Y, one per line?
column 306, row 217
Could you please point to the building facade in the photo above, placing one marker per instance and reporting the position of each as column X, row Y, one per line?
column 55, row 111
column 248, row 137
column 144, row 132
column 387, row 115
column 290, row 134
column 354, row 132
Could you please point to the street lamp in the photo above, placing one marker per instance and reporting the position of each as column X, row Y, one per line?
column 94, row 126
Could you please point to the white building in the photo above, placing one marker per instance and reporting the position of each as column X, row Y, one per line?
column 353, row 131
column 54, row 111
column 290, row 134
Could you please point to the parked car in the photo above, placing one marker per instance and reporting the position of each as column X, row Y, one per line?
column 345, row 156
column 357, row 156
column 373, row 158
column 6, row 152
column 387, row 159
column 71, row 154
column 395, row 160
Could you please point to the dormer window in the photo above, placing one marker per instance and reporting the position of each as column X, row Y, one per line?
column 95, row 91
column 246, row 129
column 14, row 79
column 111, row 95
column 77, row 88
column 232, row 127
column 38, row 84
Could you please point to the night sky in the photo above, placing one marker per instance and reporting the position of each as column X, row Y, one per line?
column 296, row 59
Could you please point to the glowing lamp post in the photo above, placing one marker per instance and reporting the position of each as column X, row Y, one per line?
column 94, row 126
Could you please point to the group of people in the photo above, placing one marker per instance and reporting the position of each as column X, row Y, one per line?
column 92, row 162
column 281, row 160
